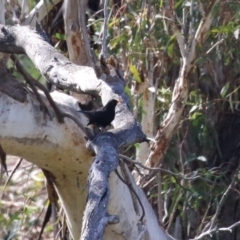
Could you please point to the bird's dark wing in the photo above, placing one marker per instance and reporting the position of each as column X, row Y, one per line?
column 103, row 116
column 86, row 113
column 98, row 118
column 93, row 116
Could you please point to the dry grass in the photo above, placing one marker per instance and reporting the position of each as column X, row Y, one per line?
column 23, row 202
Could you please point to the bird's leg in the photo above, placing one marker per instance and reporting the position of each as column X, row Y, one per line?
column 96, row 130
column 101, row 129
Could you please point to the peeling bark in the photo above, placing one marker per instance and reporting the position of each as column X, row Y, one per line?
column 77, row 47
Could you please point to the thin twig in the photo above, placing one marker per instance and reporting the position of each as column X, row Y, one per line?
column 105, row 31
column 133, row 190
column 10, row 176
column 174, row 209
column 127, row 178
column 230, row 228
column 159, row 197
column 3, row 161
column 149, row 182
column 165, row 205
column 215, row 45
column 158, row 169
column 206, row 212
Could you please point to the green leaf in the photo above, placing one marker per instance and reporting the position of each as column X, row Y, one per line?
column 193, row 108
column 151, row 139
column 231, row 103
column 230, row 28
column 135, row 73
column 236, row 33
column 127, row 90
column 195, row 116
column 119, row 39
column 170, row 50
column 152, row 89
column 224, row 90
column 60, row 36
column 161, row 99
column 202, row 158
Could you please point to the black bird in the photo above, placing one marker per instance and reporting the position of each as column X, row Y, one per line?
column 103, row 116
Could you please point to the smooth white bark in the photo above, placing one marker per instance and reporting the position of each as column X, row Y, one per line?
column 58, row 148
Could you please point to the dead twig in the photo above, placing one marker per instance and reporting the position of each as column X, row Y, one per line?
column 33, row 83
column 3, row 160
column 10, row 176
column 132, row 190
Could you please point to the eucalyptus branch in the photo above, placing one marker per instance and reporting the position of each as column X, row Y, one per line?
column 10, row 176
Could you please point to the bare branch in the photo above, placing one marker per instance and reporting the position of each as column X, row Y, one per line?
column 230, row 227
column 215, row 45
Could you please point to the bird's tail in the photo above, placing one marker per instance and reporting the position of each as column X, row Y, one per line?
column 86, row 114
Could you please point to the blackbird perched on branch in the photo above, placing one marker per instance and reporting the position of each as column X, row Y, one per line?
column 103, row 116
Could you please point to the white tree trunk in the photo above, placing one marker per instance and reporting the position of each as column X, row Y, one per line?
column 147, row 122
column 59, row 148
